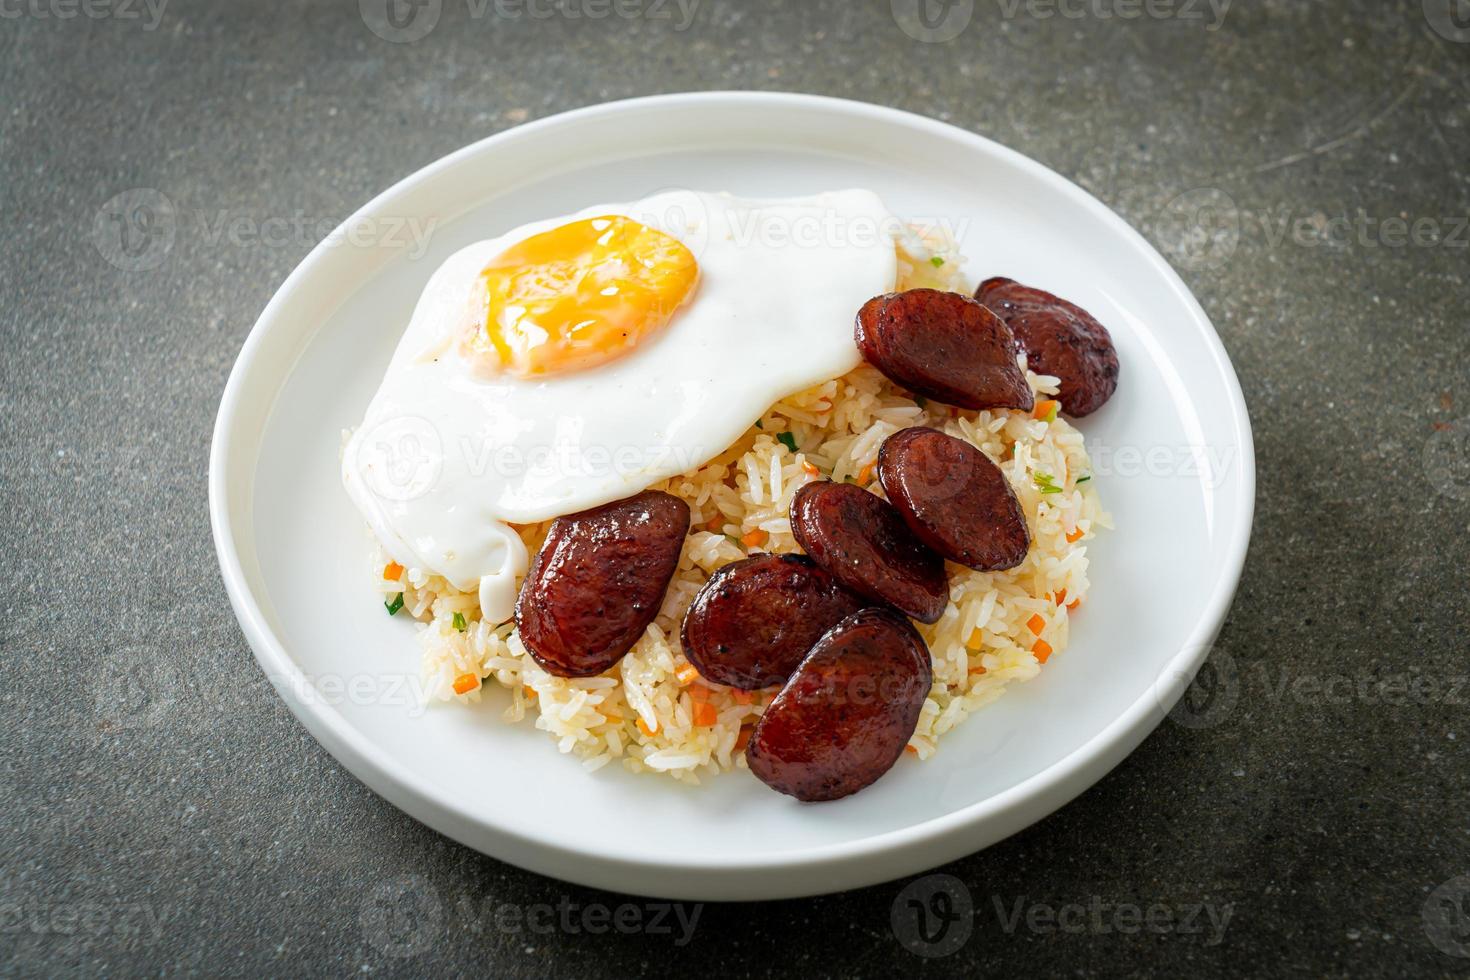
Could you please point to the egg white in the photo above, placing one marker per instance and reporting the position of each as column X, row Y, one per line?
column 447, row 454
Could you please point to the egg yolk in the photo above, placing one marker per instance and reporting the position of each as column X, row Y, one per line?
column 580, row 295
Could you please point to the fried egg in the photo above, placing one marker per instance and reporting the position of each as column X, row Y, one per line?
column 579, row 360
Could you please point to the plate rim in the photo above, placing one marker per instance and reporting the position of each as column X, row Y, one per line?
column 1013, row 809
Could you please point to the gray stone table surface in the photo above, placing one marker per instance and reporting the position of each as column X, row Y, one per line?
column 1303, row 163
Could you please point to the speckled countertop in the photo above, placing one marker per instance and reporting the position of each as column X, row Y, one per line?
column 1318, row 827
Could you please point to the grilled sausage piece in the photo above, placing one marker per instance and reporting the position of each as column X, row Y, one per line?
column 954, row 499
column 843, row 718
column 866, row 546
column 944, row 346
column 755, row 619
column 598, row 582
column 1059, row 339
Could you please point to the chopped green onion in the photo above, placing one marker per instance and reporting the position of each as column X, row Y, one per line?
column 788, row 440
column 1046, row 483
column 758, row 424
column 921, row 401
column 394, row 605
column 734, row 540
column 459, row 622
column 1084, row 479
column 1051, row 416
column 937, row 261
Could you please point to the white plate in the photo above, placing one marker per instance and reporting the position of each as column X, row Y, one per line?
column 1173, row 451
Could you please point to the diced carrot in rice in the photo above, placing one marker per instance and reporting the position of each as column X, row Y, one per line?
column 755, row 538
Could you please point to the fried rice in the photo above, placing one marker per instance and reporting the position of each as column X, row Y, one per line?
column 653, row 713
